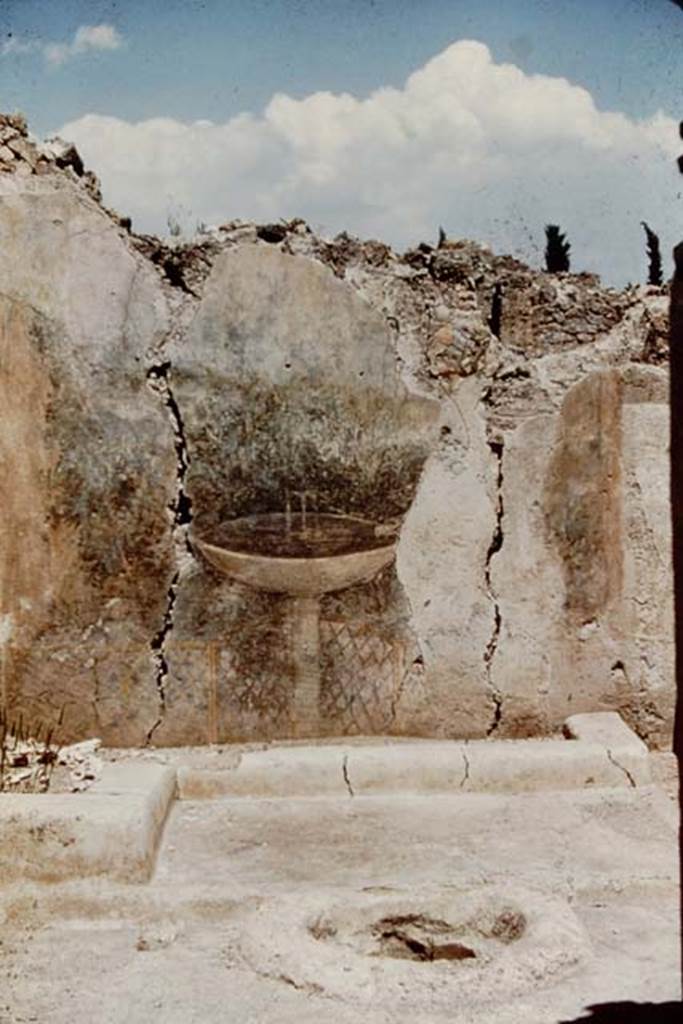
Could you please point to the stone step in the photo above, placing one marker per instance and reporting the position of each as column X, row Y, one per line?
column 598, row 750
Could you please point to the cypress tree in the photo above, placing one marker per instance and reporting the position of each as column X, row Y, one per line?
column 556, row 250
column 654, row 256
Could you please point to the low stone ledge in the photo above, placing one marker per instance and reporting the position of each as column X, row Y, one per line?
column 275, row 772
column 599, row 751
column 625, row 751
column 112, row 829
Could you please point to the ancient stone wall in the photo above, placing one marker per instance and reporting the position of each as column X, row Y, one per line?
column 507, row 429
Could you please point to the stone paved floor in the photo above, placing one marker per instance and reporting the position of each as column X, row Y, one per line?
column 173, row 950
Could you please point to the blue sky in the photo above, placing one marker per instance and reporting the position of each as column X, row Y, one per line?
column 214, row 58
column 190, row 60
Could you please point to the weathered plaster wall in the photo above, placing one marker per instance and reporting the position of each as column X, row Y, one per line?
column 584, row 576
column 87, row 465
column 289, row 394
column 149, row 391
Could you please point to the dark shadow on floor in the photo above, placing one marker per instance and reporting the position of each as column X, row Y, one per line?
column 630, row 1013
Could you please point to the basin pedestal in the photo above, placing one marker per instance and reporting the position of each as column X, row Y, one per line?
column 304, row 626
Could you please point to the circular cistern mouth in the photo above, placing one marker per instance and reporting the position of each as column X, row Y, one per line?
column 417, row 934
column 425, row 947
column 427, row 939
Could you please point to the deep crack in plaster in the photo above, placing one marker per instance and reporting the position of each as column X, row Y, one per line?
column 494, row 547
column 181, row 511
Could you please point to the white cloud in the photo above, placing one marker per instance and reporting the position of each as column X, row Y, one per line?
column 18, row 46
column 96, row 37
column 481, row 148
column 86, row 38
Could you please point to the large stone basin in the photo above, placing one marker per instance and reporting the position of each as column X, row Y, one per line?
column 301, row 554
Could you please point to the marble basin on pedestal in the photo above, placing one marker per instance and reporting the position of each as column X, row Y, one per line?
column 303, row 555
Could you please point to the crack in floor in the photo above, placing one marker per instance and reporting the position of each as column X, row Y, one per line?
column 308, row 987
column 345, row 773
column 467, row 769
column 626, row 772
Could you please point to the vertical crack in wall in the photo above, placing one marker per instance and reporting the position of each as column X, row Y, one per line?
column 494, row 547
column 181, row 513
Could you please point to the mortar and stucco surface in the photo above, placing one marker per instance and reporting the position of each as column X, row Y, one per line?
column 551, row 863
column 259, row 908
column 149, row 391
